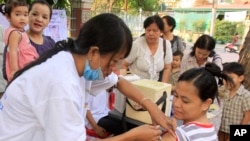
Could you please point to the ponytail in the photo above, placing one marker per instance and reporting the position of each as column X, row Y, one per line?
column 215, row 70
column 2, row 9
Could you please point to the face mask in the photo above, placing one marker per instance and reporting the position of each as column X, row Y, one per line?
column 90, row 74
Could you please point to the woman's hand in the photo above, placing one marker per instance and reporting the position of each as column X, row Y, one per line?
column 159, row 118
column 147, row 133
column 141, row 133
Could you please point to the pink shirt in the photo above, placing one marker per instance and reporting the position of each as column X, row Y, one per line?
column 26, row 52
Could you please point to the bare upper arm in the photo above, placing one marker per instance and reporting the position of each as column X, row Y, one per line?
column 13, row 40
column 168, row 137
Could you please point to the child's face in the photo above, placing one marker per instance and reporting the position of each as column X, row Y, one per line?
column 187, row 104
column 19, row 17
column 176, row 61
column 236, row 79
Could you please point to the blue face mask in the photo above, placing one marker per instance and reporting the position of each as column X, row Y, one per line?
column 90, row 74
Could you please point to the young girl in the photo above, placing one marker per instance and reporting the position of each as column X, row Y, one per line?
column 19, row 52
column 236, row 109
column 195, row 91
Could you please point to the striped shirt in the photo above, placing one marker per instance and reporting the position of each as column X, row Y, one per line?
column 234, row 108
column 194, row 131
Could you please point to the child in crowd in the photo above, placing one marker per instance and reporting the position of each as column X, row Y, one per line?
column 196, row 90
column 19, row 51
column 236, row 103
column 97, row 116
column 176, row 67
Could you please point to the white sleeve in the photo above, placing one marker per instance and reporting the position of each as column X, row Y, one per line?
column 101, row 85
column 169, row 54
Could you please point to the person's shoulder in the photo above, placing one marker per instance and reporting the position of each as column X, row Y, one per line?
column 13, row 33
column 168, row 137
column 177, row 37
column 48, row 38
column 243, row 91
column 139, row 42
column 168, row 43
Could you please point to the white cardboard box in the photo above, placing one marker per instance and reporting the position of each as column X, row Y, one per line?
column 153, row 90
column 120, row 99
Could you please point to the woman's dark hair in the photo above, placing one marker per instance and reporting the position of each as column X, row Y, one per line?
column 204, row 42
column 106, row 31
column 204, row 80
column 171, row 21
column 6, row 8
column 233, row 67
column 43, row 2
column 154, row 19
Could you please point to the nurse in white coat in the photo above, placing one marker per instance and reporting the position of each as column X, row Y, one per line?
column 45, row 101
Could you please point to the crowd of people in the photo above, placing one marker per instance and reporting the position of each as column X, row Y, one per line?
column 57, row 91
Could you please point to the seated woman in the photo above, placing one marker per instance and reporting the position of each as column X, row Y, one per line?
column 195, row 91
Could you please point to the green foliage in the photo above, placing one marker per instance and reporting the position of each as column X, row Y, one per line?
column 182, row 25
column 50, row 2
column 240, row 27
column 133, row 6
column 62, row 4
column 225, row 30
column 199, row 25
column 149, row 5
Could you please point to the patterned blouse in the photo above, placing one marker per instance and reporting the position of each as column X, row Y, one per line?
column 189, row 62
column 147, row 65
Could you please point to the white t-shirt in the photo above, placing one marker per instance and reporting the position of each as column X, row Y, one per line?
column 45, row 103
column 143, row 63
column 98, row 104
column 98, row 86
